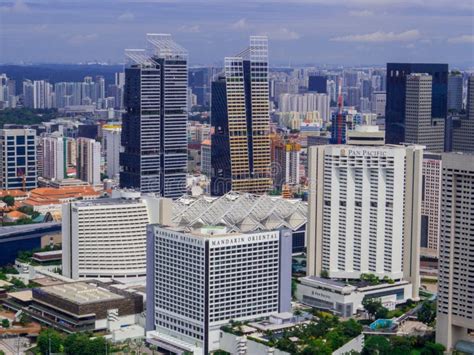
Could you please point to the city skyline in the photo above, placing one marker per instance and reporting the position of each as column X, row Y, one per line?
column 304, row 32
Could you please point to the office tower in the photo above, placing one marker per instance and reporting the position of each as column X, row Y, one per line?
column 351, row 79
column 420, row 127
column 303, row 103
column 112, row 147
column 397, row 74
column 353, row 96
column 18, row 159
column 216, row 277
column 431, row 203
column 240, row 117
column 317, row 83
column 154, row 125
column 53, row 157
column 455, row 314
column 379, row 100
column 206, row 166
column 106, row 238
column 366, row 135
column 88, row 161
column 455, row 92
column 364, row 212
column 366, row 88
column 463, row 134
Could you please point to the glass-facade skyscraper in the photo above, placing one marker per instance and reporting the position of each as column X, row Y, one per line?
column 397, row 74
column 154, row 125
column 240, row 145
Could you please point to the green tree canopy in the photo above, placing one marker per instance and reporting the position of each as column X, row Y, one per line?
column 49, row 337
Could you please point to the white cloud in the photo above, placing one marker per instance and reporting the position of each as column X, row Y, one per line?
column 19, row 6
column 81, row 39
column 462, row 39
column 190, row 29
column 126, row 17
column 282, row 34
column 361, row 13
column 240, row 24
column 380, row 37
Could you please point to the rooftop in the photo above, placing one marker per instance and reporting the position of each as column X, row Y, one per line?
column 81, row 293
column 240, row 212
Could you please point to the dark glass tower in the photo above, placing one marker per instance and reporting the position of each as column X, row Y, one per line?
column 397, row 74
column 154, row 134
column 317, row 83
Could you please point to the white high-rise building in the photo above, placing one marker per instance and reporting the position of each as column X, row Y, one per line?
column 431, row 204
column 303, row 103
column 106, row 238
column 364, row 212
column 379, row 101
column 88, row 160
column 455, row 315
column 53, row 157
column 215, row 277
column 112, row 148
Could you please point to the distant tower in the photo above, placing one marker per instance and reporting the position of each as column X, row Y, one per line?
column 154, row 135
column 88, row 160
column 240, row 117
column 339, row 127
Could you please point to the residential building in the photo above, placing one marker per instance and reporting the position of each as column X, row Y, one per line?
column 240, row 117
column 18, row 159
column 106, row 238
column 364, row 212
column 217, row 277
column 420, row 127
column 285, row 162
column 304, row 103
column 395, row 115
column 112, row 148
column 455, row 314
column 88, row 161
column 53, row 157
column 431, row 204
column 154, row 140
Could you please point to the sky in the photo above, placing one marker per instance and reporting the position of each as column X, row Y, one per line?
column 314, row 32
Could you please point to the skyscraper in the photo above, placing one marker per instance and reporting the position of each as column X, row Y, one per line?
column 455, row 315
column 364, row 209
column 420, row 127
column 88, row 160
column 18, row 159
column 463, row 134
column 455, row 91
column 240, row 117
column 112, row 149
column 317, row 83
column 154, row 135
column 395, row 114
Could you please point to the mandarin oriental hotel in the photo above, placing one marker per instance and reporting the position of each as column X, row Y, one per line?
column 198, row 280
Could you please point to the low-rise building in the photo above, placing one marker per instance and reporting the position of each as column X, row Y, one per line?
column 345, row 299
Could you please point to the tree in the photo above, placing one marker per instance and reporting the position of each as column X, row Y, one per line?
column 335, row 339
column 371, row 305
column 376, row 345
column 433, row 349
column 351, row 328
column 381, row 312
column 9, row 200
column 401, row 345
column 50, row 339
column 324, row 274
column 316, row 346
column 5, row 323
column 294, row 286
column 24, row 319
column 427, row 312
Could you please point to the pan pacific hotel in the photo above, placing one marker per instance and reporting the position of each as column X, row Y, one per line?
column 200, row 279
